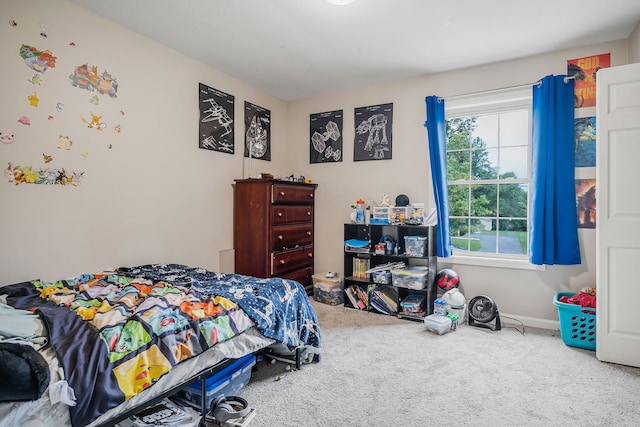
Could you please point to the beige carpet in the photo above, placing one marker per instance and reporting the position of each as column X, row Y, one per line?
column 377, row 370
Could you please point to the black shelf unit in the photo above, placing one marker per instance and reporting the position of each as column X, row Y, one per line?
column 373, row 233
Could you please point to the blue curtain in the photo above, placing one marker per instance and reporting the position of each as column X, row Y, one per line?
column 436, row 131
column 554, row 221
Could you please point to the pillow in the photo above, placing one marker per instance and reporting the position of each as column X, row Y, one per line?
column 24, row 373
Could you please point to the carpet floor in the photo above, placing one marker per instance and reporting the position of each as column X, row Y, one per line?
column 378, row 370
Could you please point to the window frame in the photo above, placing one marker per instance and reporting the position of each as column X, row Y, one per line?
column 485, row 103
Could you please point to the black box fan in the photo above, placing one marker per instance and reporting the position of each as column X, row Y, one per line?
column 483, row 312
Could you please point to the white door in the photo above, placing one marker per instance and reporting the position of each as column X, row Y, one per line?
column 618, row 215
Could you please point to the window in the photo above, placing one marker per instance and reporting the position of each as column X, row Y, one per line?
column 488, row 172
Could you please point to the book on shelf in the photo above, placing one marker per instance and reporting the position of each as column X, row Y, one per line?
column 384, row 299
column 360, row 267
column 353, row 299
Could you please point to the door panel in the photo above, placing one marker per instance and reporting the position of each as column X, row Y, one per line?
column 618, row 217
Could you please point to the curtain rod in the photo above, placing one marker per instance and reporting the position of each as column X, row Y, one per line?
column 537, row 83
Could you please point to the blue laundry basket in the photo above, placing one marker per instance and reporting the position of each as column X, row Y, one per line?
column 577, row 324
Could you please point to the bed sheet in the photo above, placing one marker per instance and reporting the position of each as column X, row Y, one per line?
column 78, row 310
column 42, row 413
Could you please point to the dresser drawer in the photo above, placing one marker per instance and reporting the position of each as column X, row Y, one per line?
column 302, row 276
column 292, row 259
column 291, row 236
column 293, row 194
column 287, row 214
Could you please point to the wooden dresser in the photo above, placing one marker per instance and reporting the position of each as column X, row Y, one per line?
column 273, row 229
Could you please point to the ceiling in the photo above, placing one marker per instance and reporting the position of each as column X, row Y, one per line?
column 296, row 49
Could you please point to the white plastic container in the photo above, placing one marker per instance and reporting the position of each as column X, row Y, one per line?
column 415, row 246
column 412, row 277
column 438, row 324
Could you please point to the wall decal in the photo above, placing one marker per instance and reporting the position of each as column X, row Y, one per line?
column 33, row 100
column 585, row 143
column 257, row 122
column 29, row 175
column 373, row 132
column 37, row 60
column 24, row 120
column 64, row 142
column 586, row 202
column 85, row 77
column 47, row 158
column 584, row 72
column 216, row 124
column 36, row 80
column 326, row 137
column 6, row 138
column 95, row 122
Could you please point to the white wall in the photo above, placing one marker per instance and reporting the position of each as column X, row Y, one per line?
column 634, row 45
column 523, row 293
column 154, row 196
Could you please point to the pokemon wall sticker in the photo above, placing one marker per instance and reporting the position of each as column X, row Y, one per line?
column 33, row 100
column 36, row 80
column 24, row 120
column 30, row 175
column 64, row 142
column 85, row 77
column 95, row 122
column 37, row 60
column 6, row 138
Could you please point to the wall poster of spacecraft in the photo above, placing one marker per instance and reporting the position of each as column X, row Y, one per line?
column 373, row 132
column 216, row 120
column 326, row 137
column 257, row 137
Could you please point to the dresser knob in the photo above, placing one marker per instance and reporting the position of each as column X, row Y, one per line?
column 282, row 193
column 281, row 262
column 280, row 214
column 280, row 237
column 311, row 195
column 308, row 233
column 310, row 255
column 308, row 213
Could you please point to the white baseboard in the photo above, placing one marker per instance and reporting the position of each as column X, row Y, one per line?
column 227, row 261
column 533, row 322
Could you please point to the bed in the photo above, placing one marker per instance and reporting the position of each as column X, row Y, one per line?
column 126, row 337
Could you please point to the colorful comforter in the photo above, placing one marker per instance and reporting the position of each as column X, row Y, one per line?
column 116, row 333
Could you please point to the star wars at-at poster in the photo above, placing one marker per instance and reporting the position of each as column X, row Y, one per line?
column 216, row 119
column 257, row 138
column 373, row 132
column 325, row 137
column 584, row 70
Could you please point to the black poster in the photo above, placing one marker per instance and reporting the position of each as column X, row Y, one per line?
column 373, row 132
column 326, row 137
column 216, row 120
column 257, row 137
